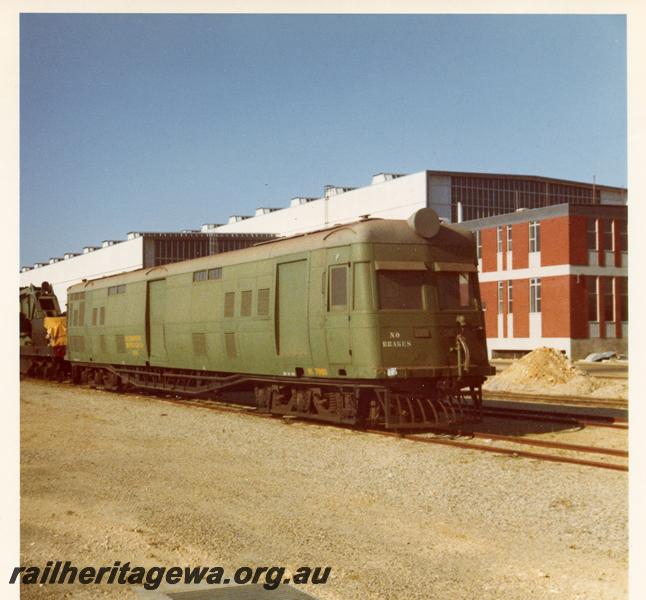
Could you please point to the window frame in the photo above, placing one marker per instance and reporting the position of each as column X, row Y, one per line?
column 534, row 236
column 332, row 289
column 535, row 295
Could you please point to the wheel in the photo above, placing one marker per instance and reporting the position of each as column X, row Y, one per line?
column 112, row 381
column 97, row 379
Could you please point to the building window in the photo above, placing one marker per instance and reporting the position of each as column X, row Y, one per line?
column 508, row 238
column 592, row 234
column 509, row 298
column 622, row 282
column 623, row 235
column 499, row 237
column 608, row 300
column 500, row 297
column 593, row 303
column 535, row 295
column 607, row 235
column 478, row 244
column 534, row 236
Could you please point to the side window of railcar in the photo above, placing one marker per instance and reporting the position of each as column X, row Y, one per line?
column 229, row 303
column 263, row 302
column 455, row 290
column 245, row 303
column 400, row 290
column 338, row 290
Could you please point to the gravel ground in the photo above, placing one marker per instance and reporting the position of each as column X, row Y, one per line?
column 130, row 478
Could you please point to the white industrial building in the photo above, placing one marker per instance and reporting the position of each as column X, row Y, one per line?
column 139, row 250
column 389, row 196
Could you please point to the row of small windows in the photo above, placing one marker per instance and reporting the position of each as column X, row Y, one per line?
column 614, row 234
column 614, row 291
column 534, row 238
column 77, row 315
column 534, row 296
column 200, row 345
column 206, row 274
column 246, row 297
column 117, row 289
column 77, row 296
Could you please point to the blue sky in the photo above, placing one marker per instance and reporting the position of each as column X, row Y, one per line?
column 164, row 122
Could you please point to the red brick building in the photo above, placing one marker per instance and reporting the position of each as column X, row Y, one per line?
column 555, row 276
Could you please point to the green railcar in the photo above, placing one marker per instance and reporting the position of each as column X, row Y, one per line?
column 369, row 322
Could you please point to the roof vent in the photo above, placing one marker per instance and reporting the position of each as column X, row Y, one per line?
column 38, row 265
column 299, row 200
column 381, row 177
column 263, row 210
column 89, row 249
column 24, row 269
column 133, row 235
column 53, row 260
column 106, row 243
column 237, row 218
column 209, row 226
column 69, row 255
column 335, row 190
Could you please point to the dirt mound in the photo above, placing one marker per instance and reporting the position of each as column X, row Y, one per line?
column 548, row 371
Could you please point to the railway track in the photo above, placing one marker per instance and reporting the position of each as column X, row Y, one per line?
column 451, row 441
column 446, row 437
column 587, row 401
column 439, row 437
column 586, row 420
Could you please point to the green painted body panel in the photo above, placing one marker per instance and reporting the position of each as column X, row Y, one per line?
column 292, row 337
column 272, row 309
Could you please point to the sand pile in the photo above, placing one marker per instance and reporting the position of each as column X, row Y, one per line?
column 547, row 371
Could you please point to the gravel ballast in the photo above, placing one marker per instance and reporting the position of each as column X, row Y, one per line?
column 110, row 477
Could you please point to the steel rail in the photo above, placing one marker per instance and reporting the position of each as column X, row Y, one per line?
column 587, row 401
column 442, row 441
column 251, row 411
column 555, row 417
column 505, row 451
column 534, row 442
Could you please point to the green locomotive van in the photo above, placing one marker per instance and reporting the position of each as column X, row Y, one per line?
column 373, row 322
